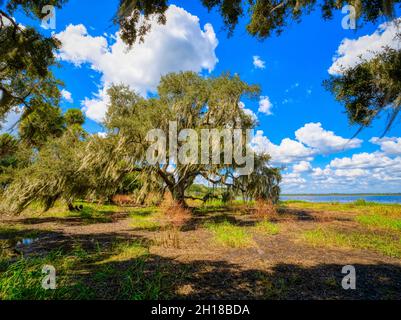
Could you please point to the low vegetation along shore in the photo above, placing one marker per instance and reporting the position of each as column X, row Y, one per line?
column 213, row 250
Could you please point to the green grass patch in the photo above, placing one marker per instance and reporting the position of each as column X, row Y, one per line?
column 144, row 219
column 128, row 251
column 379, row 221
column 22, row 279
column 91, row 212
column 267, row 227
column 385, row 244
column 359, row 206
column 122, row 271
column 230, row 235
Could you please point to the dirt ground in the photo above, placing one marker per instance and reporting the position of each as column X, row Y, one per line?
column 278, row 266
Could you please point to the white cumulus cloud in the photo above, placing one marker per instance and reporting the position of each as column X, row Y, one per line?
column 351, row 51
column 314, row 136
column 180, row 45
column 67, row 96
column 303, row 166
column 247, row 111
column 265, row 105
column 288, row 151
column 258, row 63
column 311, row 140
column 391, row 146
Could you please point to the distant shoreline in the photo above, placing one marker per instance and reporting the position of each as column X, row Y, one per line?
column 340, row 194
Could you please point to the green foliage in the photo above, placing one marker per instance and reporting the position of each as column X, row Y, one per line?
column 74, row 117
column 8, row 148
column 8, row 159
column 144, row 220
column 33, row 8
column 265, row 17
column 263, row 183
column 190, row 100
column 53, row 175
column 129, row 17
column 41, row 123
column 360, row 202
column 123, row 264
column 22, row 279
column 227, row 196
column 357, row 207
column 25, row 59
column 370, row 88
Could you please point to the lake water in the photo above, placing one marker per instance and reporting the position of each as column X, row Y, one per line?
column 345, row 198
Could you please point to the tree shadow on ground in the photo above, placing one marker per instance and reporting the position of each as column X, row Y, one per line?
column 307, row 215
column 76, row 219
column 106, row 273
column 157, row 277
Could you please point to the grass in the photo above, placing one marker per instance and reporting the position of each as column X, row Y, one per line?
column 22, row 279
column 380, row 221
column 89, row 213
column 17, row 230
column 122, row 271
column 144, row 219
column 359, row 206
column 89, row 269
column 267, row 227
column 127, row 251
column 384, row 244
column 230, row 235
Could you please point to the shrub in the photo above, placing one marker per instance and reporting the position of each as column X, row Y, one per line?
column 360, row 202
column 265, row 209
column 122, row 200
column 175, row 216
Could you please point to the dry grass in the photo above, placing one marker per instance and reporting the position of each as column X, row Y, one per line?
column 123, row 200
column 173, row 212
column 174, row 216
column 265, row 210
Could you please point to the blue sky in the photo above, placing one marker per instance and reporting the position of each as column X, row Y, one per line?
column 319, row 158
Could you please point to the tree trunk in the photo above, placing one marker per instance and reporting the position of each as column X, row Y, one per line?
column 71, row 207
column 178, row 194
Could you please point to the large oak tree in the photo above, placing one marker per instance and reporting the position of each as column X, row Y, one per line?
column 192, row 102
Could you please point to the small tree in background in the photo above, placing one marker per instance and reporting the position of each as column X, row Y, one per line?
column 74, row 117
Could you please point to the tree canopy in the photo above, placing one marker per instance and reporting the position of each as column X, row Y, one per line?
column 370, row 88
column 74, row 117
column 189, row 101
column 73, row 165
column 26, row 56
column 265, row 17
column 25, row 60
